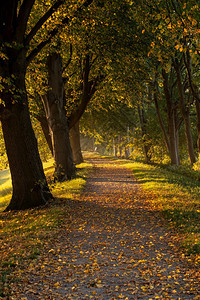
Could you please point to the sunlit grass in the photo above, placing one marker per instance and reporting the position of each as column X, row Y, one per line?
column 176, row 196
column 5, row 188
column 65, row 189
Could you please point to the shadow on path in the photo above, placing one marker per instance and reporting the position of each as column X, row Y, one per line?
column 111, row 247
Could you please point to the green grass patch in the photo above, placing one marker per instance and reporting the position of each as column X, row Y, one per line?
column 175, row 194
column 23, row 233
column 5, row 188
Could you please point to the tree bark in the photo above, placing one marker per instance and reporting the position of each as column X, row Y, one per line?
column 198, row 123
column 45, row 129
column 88, row 88
column 75, row 144
column 185, row 113
column 30, row 188
column 173, row 138
column 162, row 126
column 144, row 132
column 114, row 147
column 195, row 93
column 56, row 116
column 172, row 123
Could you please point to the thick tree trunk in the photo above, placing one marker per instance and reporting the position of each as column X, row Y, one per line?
column 30, row 188
column 75, row 144
column 29, row 184
column 55, row 113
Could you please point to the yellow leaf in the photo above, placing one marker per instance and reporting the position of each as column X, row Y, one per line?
column 57, row 284
column 181, row 49
column 152, row 44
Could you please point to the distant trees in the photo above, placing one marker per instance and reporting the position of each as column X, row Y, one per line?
column 173, row 53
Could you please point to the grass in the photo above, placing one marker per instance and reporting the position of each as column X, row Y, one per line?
column 177, row 197
column 24, row 233
column 5, row 188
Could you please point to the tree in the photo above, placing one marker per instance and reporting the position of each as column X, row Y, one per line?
column 185, row 109
column 76, row 144
column 54, row 102
column 175, row 32
column 30, row 188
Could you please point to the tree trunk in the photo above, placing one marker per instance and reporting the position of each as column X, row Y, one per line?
column 45, row 129
column 56, row 116
column 188, row 134
column 173, row 142
column 119, row 146
column 75, row 144
column 195, row 92
column 185, row 113
column 173, row 139
column 162, row 126
column 30, row 188
column 144, row 132
column 114, row 147
column 198, row 123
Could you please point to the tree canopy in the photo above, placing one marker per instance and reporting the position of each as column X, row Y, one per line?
column 129, row 72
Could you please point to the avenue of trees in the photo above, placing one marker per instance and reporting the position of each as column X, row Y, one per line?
column 122, row 73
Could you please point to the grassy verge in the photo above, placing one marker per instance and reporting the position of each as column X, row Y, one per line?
column 177, row 197
column 24, row 233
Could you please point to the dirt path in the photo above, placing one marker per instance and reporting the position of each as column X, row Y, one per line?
column 114, row 248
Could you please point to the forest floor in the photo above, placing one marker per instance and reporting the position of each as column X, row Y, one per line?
column 113, row 245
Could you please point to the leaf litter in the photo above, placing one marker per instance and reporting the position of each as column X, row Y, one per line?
column 113, row 246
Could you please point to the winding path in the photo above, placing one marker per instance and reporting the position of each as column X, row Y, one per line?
column 114, row 247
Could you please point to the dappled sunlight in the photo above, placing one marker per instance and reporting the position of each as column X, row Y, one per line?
column 112, row 244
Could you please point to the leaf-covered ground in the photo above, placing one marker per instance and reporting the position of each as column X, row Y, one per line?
column 112, row 246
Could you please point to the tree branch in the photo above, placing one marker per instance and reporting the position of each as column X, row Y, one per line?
column 42, row 20
column 189, row 76
column 22, row 19
column 35, row 51
column 53, row 32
